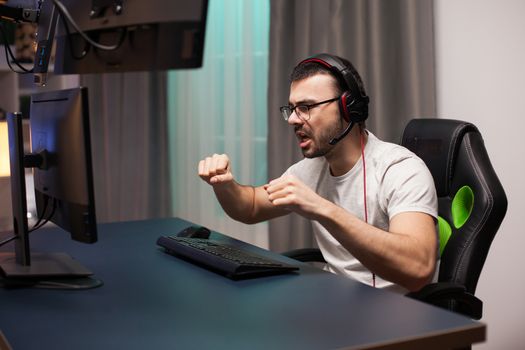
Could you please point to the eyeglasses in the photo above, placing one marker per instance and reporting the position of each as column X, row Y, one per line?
column 302, row 111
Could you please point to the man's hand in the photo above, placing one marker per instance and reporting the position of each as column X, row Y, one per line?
column 290, row 193
column 215, row 169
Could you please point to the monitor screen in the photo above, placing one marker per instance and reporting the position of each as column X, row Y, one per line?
column 148, row 35
column 64, row 184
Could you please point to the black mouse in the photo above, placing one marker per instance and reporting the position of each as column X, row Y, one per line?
column 195, row 232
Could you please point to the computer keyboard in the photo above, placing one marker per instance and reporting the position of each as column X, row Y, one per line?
column 223, row 258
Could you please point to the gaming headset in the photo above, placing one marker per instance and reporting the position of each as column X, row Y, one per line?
column 353, row 103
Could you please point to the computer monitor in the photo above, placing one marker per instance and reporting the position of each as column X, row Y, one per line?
column 105, row 36
column 148, row 35
column 59, row 123
column 63, row 180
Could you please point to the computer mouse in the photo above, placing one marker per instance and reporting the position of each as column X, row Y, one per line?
column 195, row 232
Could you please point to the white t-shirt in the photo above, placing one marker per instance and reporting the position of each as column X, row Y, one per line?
column 396, row 181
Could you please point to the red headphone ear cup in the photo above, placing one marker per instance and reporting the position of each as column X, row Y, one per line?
column 343, row 106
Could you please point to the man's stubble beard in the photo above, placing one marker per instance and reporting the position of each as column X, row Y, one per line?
column 322, row 145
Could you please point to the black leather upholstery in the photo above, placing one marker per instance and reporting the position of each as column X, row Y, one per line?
column 437, row 142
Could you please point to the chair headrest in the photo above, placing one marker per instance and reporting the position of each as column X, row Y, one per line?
column 436, row 142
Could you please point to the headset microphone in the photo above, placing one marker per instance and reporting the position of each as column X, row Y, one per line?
column 340, row 137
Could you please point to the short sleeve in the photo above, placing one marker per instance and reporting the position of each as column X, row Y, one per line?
column 407, row 185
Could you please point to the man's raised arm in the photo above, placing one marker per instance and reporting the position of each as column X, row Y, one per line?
column 246, row 204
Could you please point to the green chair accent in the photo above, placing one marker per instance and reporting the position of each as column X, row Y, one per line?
column 461, row 209
column 462, row 205
column 444, row 233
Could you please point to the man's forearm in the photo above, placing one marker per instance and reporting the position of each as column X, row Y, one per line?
column 236, row 200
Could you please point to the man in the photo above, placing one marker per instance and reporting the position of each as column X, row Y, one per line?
column 372, row 204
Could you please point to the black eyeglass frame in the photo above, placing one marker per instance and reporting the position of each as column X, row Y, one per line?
column 286, row 111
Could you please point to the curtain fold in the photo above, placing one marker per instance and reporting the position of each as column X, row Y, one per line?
column 129, row 145
column 390, row 43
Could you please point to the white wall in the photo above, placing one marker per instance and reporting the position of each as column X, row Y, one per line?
column 480, row 63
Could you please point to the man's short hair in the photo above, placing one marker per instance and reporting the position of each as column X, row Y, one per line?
column 309, row 69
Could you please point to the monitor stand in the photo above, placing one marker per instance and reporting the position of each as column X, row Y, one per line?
column 21, row 268
column 47, row 270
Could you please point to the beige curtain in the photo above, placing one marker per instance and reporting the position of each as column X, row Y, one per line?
column 391, row 44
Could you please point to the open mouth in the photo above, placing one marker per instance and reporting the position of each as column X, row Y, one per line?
column 304, row 139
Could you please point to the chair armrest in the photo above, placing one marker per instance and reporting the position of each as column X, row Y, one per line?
column 450, row 296
column 305, row 255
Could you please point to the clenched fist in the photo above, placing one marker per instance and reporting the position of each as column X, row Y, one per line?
column 215, row 169
column 290, row 193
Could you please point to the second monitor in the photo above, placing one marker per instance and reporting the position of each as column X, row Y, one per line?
column 64, row 191
column 64, row 184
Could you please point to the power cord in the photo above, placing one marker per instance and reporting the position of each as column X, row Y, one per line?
column 10, row 56
column 65, row 13
column 37, row 225
column 87, row 46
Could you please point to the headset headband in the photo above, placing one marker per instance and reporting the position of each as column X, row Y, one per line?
column 346, row 75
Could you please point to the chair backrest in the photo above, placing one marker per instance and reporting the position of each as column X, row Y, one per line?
column 471, row 199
